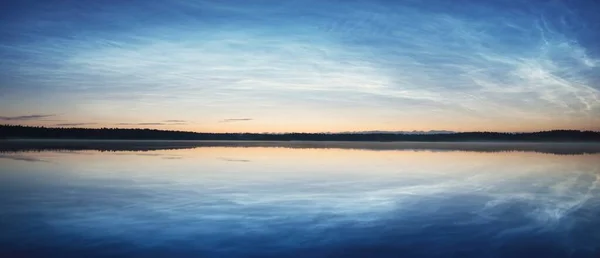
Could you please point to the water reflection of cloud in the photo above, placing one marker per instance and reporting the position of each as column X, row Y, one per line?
column 22, row 158
column 234, row 160
column 335, row 198
column 148, row 154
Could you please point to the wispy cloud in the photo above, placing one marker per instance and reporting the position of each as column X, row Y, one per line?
column 74, row 124
column 150, row 123
column 140, row 123
column 524, row 63
column 24, row 118
column 166, row 122
column 229, row 120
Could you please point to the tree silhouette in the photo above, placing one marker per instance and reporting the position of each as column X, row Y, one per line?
column 37, row 132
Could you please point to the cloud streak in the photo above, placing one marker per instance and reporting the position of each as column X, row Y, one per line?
column 140, row 123
column 74, row 124
column 530, row 63
column 173, row 122
column 24, row 118
column 231, row 120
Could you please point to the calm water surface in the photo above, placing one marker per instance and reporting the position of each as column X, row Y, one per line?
column 298, row 202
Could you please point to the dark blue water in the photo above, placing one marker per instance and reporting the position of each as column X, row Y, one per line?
column 277, row 202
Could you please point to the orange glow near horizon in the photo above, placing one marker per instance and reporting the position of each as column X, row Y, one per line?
column 259, row 127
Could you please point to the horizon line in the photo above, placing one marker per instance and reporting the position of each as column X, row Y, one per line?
column 429, row 132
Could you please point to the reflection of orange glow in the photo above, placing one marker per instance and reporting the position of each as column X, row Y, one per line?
column 234, row 167
column 370, row 160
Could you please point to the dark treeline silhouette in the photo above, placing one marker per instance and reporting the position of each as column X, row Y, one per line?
column 33, row 132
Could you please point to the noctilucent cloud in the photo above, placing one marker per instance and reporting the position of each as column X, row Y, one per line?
column 302, row 65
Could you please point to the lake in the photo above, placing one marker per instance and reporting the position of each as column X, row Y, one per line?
column 265, row 199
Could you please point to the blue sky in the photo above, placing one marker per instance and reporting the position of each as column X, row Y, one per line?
column 273, row 66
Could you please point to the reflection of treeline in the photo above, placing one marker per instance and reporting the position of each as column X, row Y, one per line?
column 32, row 132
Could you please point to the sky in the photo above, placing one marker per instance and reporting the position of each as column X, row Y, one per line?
column 301, row 65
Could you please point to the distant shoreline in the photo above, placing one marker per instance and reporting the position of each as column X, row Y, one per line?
column 16, row 145
column 29, row 132
column 66, row 140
